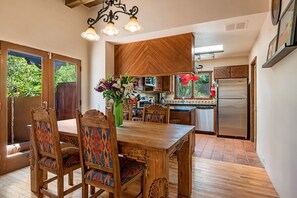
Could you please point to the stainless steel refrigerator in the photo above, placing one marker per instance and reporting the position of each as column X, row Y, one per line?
column 232, row 105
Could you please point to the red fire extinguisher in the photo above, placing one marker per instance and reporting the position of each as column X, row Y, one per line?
column 212, row 91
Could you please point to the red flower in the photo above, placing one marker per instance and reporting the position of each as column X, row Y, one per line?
column 195, row 78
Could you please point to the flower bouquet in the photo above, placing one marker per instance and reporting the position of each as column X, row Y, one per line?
column 117, row 90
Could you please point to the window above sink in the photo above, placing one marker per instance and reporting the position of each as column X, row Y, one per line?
column 195, row 86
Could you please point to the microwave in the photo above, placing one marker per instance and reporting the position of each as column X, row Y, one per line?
column 150, row 81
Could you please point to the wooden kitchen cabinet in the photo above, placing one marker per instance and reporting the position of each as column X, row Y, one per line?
column 222, row 72
column 157, row 57
column 159, row 83
column 240, row 71
column 168, row 83
column 163, row 84
column 140, row 81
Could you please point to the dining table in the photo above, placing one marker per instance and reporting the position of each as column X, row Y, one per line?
column 150, row 143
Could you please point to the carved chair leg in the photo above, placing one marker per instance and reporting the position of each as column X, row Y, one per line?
column 70, row 179
column 85, row 192
column 92, row 190
column 60, row 186
column 40, row 182
column 45, row 176
column 142, row 183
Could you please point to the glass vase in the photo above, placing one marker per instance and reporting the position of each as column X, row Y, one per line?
column 118, row 113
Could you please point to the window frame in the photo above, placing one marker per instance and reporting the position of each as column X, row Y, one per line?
column 192, row 96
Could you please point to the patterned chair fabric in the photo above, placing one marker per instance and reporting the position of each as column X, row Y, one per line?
column 96, row 144
column 45, row 137
column 70, row 157
column 128, row 170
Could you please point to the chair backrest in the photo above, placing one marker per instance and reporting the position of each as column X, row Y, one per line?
column 45, row 135
column 98, row 142
column 156, row 113
column 127, row 111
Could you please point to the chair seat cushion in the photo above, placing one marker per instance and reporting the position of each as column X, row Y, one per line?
column 128, row 170
column 70, row 157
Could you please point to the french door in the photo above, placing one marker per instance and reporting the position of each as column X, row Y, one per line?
column 31, row 78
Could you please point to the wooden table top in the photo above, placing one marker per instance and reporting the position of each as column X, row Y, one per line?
column 145, row 134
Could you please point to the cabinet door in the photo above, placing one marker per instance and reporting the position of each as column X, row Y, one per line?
column 140, row 83
column 222, row 72
column 239, row 71
column 167, row 83
column 159, row 84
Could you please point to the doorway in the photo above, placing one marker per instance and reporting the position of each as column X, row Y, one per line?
column 253, row 102
column 30, row 78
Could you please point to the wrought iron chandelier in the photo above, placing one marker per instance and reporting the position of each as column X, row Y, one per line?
column 109, row 18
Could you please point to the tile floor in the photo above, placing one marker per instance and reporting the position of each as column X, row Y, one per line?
column 226, row 149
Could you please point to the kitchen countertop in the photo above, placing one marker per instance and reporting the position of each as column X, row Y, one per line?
column 191, row 102
column 182, row 108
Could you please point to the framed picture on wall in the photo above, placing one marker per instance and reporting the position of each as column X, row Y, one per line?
column 284, row 5
column 271, row 48
column 287, row 26
column 275, row 11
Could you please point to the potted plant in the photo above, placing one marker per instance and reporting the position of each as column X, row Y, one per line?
column 117, row 90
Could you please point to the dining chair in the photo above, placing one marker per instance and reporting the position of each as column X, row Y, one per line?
column 156, row 113
column 101, row 165
column 127, row 111
column 49, row 155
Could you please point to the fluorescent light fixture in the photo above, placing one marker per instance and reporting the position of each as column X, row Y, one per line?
column 209, row 49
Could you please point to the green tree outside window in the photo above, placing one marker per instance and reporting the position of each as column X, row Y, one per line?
column 195, row 89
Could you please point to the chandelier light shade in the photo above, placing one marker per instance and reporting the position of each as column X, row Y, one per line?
column 90, row 34
column 109, row 14
column 110, row 30
column 133, row 25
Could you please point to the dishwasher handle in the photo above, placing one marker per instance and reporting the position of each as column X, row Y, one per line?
column 205, row 107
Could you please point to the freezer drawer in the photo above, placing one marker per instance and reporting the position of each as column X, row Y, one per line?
column 232, row 117
column 205, row 119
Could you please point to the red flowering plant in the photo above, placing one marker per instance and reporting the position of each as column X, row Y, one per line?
column 117, row 89
column 186, row 78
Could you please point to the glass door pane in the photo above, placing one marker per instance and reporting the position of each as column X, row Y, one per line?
column 66, row 89
column 23, row 92
column 23, row 87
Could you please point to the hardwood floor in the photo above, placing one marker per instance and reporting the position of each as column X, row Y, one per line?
column 226, row 149
column 210, row 179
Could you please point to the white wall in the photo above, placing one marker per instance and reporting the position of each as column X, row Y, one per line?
column 47, row 25
column 276, row 114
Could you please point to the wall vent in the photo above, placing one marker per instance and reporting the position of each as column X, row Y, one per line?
column 236, row 26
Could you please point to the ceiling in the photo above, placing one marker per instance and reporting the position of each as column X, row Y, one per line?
column 236, row 43
column 206, row 19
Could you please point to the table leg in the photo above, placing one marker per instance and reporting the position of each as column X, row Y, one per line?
column 184, row 156
column 156, row 184
column 33, row 171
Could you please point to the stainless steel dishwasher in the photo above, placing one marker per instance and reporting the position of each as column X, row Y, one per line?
column 205, row 118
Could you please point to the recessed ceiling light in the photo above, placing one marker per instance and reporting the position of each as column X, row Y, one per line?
column 209, row 49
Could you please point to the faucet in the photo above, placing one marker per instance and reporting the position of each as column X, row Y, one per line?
column 183, row 99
